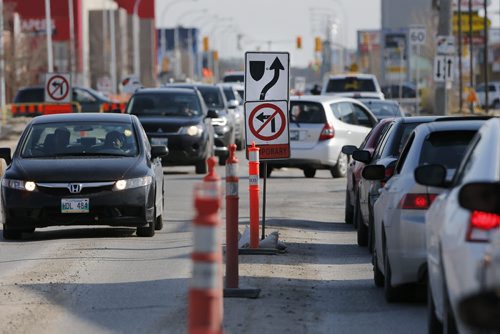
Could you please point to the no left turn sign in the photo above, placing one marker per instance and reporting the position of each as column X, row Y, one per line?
column 58, row 87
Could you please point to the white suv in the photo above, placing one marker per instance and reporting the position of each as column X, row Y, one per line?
column 493, row 94
column 353, row 85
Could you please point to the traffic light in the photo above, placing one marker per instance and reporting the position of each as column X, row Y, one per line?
column 299, row 42
column 206, row 46
column 317, row 44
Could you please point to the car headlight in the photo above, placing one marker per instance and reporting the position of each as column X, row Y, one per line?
column 193, row 130
column 132, row 183
column 19, row 184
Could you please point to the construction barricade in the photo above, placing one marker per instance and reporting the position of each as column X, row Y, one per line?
column 113, row 107
column 37, row 109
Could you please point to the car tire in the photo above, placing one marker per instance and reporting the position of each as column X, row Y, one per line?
column 201, row 167
column 349, row 209
column 378, row 276
column 340, row 169
column 391, row 293
column 434, row 325
column 309, row 172
column 159, row 223
column 9, row 234
column 362, row 230
column 146, row 231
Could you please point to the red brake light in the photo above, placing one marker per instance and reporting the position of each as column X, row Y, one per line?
column 481, row 223
column 416, row 201
column 327, row 132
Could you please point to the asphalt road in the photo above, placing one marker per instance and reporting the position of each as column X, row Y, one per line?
column 105, row 280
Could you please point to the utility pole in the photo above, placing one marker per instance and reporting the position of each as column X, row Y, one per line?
column 112, row 69
column 48, row 31
column 471, row 57
column 2, row 62
column 72, row 51
column 485, row 58
column 444, row 29
column 460, row 82
column 136, row 31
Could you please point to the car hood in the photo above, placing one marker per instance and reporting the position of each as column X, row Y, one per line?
column 73, row 169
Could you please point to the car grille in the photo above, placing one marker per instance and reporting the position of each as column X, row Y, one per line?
column 62, row 189
column 162, row 128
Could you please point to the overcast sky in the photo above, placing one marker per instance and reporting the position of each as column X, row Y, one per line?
column 277, row 21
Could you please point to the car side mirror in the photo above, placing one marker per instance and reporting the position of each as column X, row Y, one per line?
column 349, row 149
column 374, row 172
column 362, row 156
column 6, row 154
column 480, row 196
column 158, row 151
column 212, row 113
column 431, row 175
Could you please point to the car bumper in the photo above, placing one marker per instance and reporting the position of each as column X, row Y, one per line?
column 407, row 248
column 42, row 208
column 323, row 155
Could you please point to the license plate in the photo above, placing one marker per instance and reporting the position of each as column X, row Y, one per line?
column 74, row 205
column 294, row 135
column 159, row 141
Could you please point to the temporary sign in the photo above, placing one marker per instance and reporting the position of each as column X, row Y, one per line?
column 58, row 87
column 267, row 127
column 267, row 76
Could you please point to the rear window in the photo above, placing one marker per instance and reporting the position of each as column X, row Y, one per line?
column 446, row 148
column 30, row 95
column 165, row 104
column 307, row 112
column 350, row 84
column 401, row 138
column 383, row 110
column 212, row 97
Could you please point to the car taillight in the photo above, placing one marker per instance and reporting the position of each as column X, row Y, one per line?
column 416, row 201
column 481, row 224
column 327, row 132
column 389, row 172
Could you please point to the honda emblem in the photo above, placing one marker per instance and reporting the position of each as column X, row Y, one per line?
column 75, row 188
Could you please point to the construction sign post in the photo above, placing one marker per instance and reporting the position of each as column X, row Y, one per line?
column 58, row 87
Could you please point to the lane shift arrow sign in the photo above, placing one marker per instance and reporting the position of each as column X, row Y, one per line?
column 276, row 66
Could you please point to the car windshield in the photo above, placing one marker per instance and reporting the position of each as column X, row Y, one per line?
column 446, row 148
column 212, row 97
column 350, row 84
column 53, row 140
column 165, row 104
column 383, row 109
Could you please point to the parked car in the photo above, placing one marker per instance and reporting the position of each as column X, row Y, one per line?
column 459, row 226
column 89, row 99
column 384, row 108
column 223, row 123
column 386, row 153
column 179, row 119
column 235, row 106
column 82, row 169
column 355, row 167
column 493, row 94
column 353, row 85
column 400, row 253
column 319, row 127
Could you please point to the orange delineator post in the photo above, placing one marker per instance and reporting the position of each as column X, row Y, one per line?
column 232, row 202
column 253, row 178
column 205, row 312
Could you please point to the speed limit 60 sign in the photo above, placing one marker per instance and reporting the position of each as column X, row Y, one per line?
column 418, row 35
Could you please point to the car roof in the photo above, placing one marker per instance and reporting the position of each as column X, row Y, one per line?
column 350, row 75
column 191, row 84
column 450, row 126
column 168, row 89
column 83, row 117
column 370, row 101
column 322, row 98
column 415, row 119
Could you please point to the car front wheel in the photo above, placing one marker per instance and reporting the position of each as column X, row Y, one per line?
column 146, row 231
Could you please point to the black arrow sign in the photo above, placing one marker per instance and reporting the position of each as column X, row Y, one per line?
column 449, row 68
column 438, row 69
column 276, row 66
column 58, row 85
column 261, row 117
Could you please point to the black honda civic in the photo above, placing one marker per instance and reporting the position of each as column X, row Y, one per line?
column 82, row 169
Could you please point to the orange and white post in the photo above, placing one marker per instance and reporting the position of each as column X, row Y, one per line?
column 206, row 289
column 253, row 188
column 232, row 202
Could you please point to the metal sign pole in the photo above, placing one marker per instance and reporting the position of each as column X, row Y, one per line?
column 417, row 79
column 263, row 235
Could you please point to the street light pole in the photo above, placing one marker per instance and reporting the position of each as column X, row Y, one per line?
column 2, row 63
column 48, row 31
column 72, row 52
column 137, row 60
